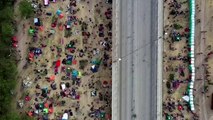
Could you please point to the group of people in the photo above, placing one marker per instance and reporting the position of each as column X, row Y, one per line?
column 72, row 73
column 176, row 62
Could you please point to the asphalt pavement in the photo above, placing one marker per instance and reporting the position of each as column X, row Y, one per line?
column 138, row 66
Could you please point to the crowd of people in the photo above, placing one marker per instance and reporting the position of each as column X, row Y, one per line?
column 176, row 62
column 68, row 74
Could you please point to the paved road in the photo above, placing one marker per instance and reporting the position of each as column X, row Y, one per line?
column 200, row 60
column 138, row 67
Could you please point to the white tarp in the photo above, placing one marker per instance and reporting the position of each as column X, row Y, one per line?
column 65, row 116
column 46, row 2
column 186, row 98
column 35, row 20
column 63, row 87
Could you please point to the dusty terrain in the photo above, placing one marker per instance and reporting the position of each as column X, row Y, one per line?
column 93, row 14
column 175, row 61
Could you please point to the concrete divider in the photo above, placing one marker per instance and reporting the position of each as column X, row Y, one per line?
column 115, row 58
column 160, row 60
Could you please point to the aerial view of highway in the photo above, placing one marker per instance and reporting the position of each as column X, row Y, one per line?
column 163, row 60
column 106, row 60
column 138, row 59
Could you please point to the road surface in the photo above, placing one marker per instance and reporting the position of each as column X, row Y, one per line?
column 200, row 60
column 137, row 49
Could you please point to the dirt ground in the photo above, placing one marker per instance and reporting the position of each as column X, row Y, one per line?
column 177, row 49
column 208, row 44
column 91, row 15
column 204, row 16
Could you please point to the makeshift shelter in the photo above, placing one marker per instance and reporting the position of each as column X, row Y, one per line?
column 65, row 116
column 27, row 98
column 45, row 117
column 41, row 28
column 15, row 45
column 69, row 62
column 94, row 68
column 61, row 16
column 168, row 117
column 30, row 113
column 41, row 105
column 36, row 112
column 75, row 73
column 31, row 56
column 21, row 103
column 31, row 31
column 45, row 110
column 186, row 98
column 46, row 105
column 108, row 116
column 102, row 114
column 53, row 86
column 74, row 62
column 52, row 31
column 37, row 51
column 79, row 75
column 58, row 63
column 14, row 39
column 37, row 22
column 46, row 2
column 50, row 110
column 52, row 78
column 58, row 12
column 93, row 93
column 105, row 83
column 68, row 70
column 63, row 86
column 68, row 26
column 70, row 45
column 27, row 83
column 69, row 57
column 96, row 61
column 44, row 92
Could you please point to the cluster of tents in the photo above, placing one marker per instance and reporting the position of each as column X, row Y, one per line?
column 34, row 52
column 96, row 62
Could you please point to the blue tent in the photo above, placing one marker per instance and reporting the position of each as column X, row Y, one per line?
column 58, row 12
column 94, row 68
column 69, row 57
column 37, row 51
column 75, row 73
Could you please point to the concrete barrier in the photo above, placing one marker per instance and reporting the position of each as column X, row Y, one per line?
column 160, row 60
column 116, row 63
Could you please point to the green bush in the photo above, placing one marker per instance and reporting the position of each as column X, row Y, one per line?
column 26, row 9
column 171, row 77
column 8, row 68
